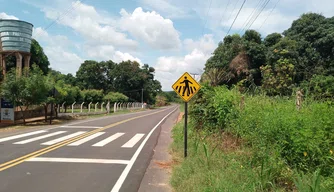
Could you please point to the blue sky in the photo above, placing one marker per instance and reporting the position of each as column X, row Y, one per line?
column 171, row 35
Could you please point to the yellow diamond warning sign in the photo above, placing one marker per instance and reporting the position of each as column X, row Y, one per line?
column 186, row 87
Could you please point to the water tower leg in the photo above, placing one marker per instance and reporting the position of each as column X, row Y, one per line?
column 3, row 64
column 18, row 64
column 26, row 62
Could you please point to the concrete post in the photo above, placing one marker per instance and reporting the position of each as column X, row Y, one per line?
column 108, row 107
column 81, row 106
column 63, row 106
column 89, row 106
column 115, row 107
column 96, row 106
column 18, row 64
column 73, row 107
column 102, row 106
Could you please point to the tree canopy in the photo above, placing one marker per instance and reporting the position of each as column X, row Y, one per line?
column 278, row 62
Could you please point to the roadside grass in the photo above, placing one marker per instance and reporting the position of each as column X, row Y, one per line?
column 213, row 165
column 266, row 144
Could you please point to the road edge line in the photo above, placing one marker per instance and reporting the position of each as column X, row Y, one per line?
column 127, row 169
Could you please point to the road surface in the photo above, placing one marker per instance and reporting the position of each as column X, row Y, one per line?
column 99, row 155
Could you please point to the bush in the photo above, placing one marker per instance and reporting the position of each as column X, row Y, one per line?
column 212, row 108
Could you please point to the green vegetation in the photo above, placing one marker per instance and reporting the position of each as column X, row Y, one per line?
column 246, row 131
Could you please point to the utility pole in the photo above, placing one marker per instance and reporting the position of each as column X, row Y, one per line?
column 194, row 75
column 142, row 97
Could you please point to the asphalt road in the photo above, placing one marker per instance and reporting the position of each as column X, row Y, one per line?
column 100, row 155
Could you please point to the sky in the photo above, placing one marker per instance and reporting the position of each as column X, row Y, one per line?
column 173, row 36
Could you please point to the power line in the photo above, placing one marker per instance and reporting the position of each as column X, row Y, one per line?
column 206, row 19
column 236, row 17
column 249, row 17
column 221, row 19
column 257, row 10
column 266, row 3
column 235, row 5
column 269, row 13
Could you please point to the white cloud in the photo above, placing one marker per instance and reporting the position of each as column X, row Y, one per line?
column 206, row 44
column 59, row 57
column 166, row 8
column 107, row 52
column 151, row 28
column 63, row 61
column 119, row 57
column 168, row 69
column 93, row 26
column 5, row 16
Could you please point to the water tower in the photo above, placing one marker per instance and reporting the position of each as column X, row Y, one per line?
column 15, row 39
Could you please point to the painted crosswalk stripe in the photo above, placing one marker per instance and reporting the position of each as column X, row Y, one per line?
column 107, row 140
column 132, row 142
column 84, row 140
column 21, row 135
column 40, row 137
column 83, row 127
column 63, row 138
column 78, row 160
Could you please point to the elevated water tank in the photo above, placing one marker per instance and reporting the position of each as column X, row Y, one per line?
column 15, row 35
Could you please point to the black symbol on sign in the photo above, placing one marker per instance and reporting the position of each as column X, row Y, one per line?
column 186, row 88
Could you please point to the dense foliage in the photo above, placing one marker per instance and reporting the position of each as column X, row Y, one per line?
column 279, row 62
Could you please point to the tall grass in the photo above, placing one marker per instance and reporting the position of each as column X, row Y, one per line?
column 286, row 148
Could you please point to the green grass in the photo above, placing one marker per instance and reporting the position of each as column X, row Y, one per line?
column 281, row 148
column 209, row 167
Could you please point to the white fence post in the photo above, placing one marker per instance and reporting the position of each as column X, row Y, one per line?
column 73, row 107
column 89, row 106
column 115, row 107
column 96, row 106
column 108, row 106
column 102, row 106
column 62, row 106
column 81, row 107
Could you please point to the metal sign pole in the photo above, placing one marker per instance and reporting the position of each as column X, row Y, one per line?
column 185, row 128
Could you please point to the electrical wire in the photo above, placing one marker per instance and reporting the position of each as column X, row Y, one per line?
column 247, row 21
column 206, row 20
column 221, row 19
column 269, row 14
column 259, row 13
column 236, row 17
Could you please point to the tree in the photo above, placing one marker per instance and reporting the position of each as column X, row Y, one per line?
column 38, row 57
column 278, row 79
column 26, row 90
column 91, row 75
column 114, row 97
column 67, row 94
column 272, row 39
column 92, row 95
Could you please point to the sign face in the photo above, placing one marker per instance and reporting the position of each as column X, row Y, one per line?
column 7, row 111
column 186, row 87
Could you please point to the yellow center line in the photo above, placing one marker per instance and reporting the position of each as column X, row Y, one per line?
column 66, row 142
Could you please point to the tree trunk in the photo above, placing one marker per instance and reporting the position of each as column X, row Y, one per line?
column 23, row 116
column 65, row 108
column 46, row 112
column 56, row 109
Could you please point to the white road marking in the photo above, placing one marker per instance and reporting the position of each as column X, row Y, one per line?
column 78, row 160
column 84, row 140
column 21, row 135
column 84, row 127
column 40, row 137
column 107, row 140
column 132, row 142
column 63, row 138
column 127, row 169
